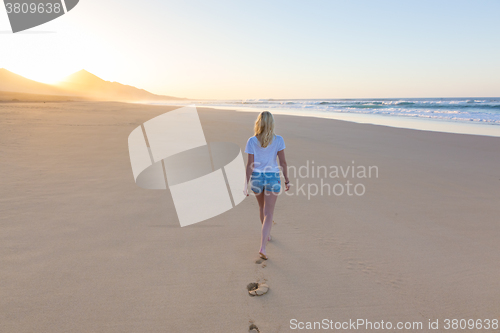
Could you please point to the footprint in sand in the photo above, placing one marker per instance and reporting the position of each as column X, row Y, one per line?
column 257, row 289
column 261, row 261
column 253, row 329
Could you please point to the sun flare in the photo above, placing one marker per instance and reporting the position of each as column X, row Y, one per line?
column 44, row 75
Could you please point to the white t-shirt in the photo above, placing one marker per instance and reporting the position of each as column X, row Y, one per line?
column 265, row 159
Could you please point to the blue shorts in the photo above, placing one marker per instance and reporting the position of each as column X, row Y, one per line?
column 268, row 181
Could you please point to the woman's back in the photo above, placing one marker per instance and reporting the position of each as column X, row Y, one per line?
column 265, row 159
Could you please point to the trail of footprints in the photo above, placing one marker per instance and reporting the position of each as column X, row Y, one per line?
column 258, row 288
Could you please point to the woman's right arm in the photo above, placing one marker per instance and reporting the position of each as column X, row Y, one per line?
column 249, row 172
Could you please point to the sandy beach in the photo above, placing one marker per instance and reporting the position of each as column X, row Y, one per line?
column 86, row 250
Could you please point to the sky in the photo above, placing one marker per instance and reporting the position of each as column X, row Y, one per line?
column 270, row 49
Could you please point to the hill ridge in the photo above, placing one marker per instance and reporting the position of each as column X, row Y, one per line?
column 82, row 84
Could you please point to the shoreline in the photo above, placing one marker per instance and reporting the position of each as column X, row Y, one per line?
column 415, row 123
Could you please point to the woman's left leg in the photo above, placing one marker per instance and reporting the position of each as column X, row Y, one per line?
column 269, row 203
column 260, row 201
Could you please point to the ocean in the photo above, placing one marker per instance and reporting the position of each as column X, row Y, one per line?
column 438, row 114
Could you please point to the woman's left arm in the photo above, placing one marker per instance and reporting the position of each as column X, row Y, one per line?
column 284, row 168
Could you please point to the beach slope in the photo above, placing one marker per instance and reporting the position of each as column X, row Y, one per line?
column 86, row 250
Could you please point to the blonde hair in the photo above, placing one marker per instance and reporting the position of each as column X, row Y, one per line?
column 264, row 128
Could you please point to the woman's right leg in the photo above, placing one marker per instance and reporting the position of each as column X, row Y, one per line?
column 260, row 200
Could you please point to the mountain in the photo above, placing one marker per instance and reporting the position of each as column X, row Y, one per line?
column 80, row 84
column 83, row 83
column 16, row 83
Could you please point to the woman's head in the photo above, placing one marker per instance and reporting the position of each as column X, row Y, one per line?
column 264, row 128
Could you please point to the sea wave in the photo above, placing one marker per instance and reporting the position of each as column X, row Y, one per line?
column 483, row 110
column 480, row 110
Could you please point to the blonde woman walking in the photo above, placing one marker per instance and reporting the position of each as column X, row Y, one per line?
column 263, row 172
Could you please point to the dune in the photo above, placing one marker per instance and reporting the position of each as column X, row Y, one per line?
column 87, row 84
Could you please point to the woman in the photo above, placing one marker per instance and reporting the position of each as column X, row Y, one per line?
column 263, row 172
